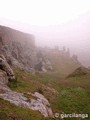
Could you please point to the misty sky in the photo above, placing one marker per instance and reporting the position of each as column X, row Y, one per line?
column 43, row 12
column 53, row 22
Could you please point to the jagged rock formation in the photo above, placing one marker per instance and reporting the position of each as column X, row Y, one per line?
column 43, row 63
column 40, row 103
column 20, row 51
column 5, row 67
column 18, row 48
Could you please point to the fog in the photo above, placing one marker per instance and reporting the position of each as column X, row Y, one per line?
column 74, row 34
column 52, row 22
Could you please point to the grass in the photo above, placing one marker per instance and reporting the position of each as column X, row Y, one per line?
column 73, row 95
column 11, row 112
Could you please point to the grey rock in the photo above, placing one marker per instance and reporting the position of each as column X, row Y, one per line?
column 40, row 103
column 5, row 67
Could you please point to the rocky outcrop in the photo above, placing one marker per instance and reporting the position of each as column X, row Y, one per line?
column 20, row 50
column 44, row 66
column 40, row 103
column 6, row 68
column 43, row 63
column 80, row 72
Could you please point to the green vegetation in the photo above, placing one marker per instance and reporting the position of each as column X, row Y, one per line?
column 73, row 95
column 11, row 112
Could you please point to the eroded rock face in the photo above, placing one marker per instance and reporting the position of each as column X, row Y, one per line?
column 18, row 48
column 40, row 103
column 6, row 68
column 43, row 63
column 3, row 78
column 20, row 51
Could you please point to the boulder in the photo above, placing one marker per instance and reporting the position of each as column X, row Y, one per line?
column 38, row 102
column 43, row 63
column 79, row 72
column 3, row 78
column 5, row 67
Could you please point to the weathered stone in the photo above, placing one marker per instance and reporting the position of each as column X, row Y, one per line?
column 40, row 103
column 43, row 62
column 5, row 67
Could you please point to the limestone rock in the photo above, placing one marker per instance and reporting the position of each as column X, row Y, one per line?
column 5, row 67
column 18, row 48
column 40, row 103
column 44, row 63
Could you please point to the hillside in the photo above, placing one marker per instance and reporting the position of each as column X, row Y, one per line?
column 33, row 79
column 20, row 50
column 17, row 47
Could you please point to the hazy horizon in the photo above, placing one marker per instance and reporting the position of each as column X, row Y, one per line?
column 62, row 23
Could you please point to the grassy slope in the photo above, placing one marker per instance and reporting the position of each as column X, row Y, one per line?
column 11, row 112
column 64, row 65
column 74, row 95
